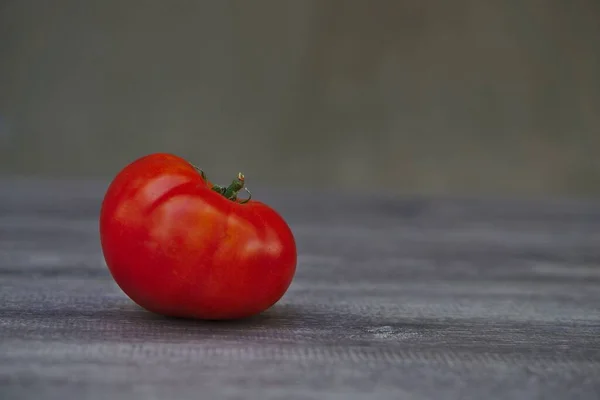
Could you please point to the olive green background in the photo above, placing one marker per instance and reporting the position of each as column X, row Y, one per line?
column 454, row 97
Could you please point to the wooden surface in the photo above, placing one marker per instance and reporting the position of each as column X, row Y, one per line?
column 393, row 298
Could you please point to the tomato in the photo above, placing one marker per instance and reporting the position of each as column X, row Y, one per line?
column 180, row 246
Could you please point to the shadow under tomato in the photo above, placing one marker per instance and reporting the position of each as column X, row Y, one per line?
column 275, row 316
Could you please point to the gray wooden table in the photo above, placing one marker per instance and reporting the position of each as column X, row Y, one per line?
column 394, row 298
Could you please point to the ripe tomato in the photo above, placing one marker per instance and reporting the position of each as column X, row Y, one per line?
column 180, row 246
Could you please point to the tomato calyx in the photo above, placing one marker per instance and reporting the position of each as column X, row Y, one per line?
column 229, row 192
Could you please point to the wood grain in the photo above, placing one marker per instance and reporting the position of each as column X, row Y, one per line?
column 394, row 298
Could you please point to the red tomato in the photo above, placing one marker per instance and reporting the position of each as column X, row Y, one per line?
column 179, row 246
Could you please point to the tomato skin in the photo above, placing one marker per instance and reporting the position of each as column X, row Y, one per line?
column 180, row 249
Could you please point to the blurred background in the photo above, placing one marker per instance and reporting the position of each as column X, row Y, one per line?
column 445, row 97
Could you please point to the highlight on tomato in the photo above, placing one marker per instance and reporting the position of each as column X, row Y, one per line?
column 180, row 246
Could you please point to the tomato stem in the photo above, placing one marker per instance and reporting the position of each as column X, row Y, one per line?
column 236, row 185
column 230, row 192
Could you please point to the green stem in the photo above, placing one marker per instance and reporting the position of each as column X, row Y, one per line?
column 234, row 188
column 230, row 192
